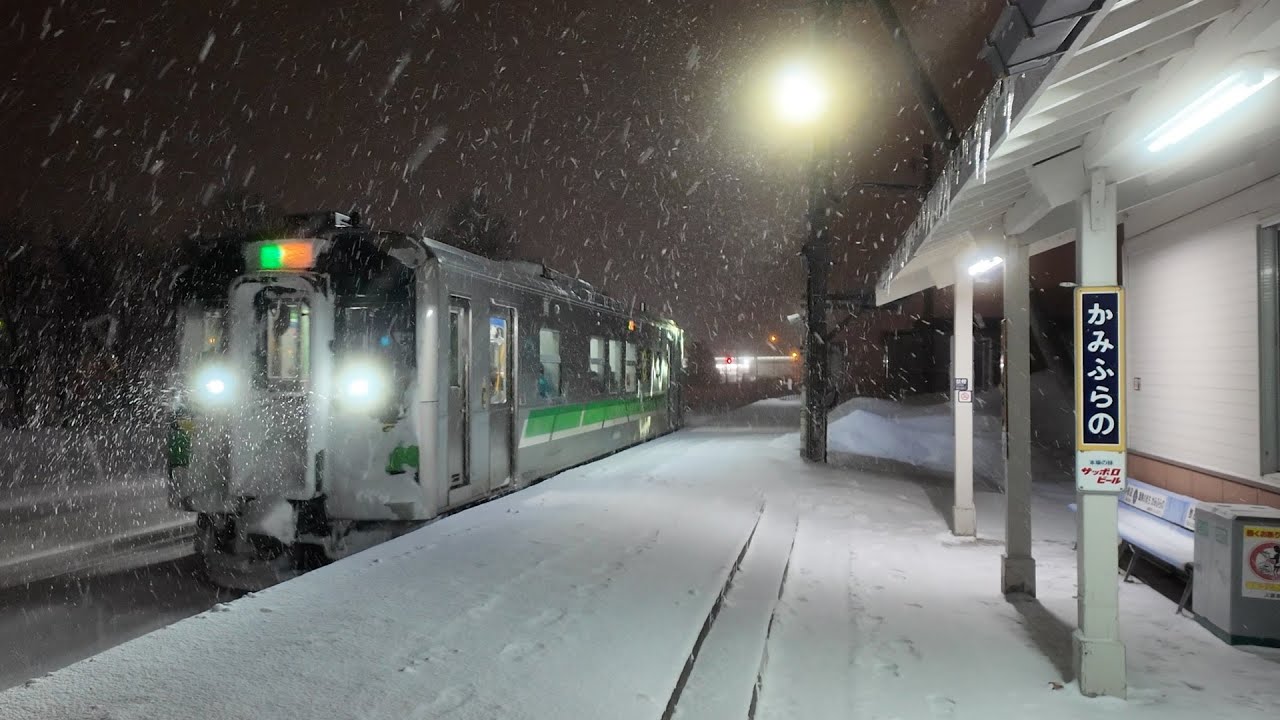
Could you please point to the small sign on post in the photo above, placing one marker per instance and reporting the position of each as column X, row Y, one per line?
column 1261, row 567
column 1100, row 407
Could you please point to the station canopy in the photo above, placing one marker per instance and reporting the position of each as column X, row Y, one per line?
column 1172, row 100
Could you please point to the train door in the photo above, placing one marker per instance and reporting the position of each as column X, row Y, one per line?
column 277, row 380
column 459, row 428
column 501, row 391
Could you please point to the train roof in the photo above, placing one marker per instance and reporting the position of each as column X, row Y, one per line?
column 221, row 259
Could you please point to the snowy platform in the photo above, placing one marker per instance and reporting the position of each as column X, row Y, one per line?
column 702, row 575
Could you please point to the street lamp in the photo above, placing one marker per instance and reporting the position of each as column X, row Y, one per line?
column 801, row 93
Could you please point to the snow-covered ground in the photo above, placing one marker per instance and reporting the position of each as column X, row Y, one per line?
column 73, row 501
column 702, row 575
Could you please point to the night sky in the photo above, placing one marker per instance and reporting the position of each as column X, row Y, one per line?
column 611, row 134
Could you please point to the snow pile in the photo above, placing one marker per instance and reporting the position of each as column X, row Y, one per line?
column 916, row 435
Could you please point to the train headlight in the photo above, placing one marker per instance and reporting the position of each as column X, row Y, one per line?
column 362, row 385
column 213, row 385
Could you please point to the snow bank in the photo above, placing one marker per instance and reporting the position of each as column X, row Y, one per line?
column 918, row 435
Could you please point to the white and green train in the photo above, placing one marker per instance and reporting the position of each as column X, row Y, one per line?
column 339, row 385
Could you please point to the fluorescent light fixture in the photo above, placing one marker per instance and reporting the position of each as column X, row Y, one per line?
column 982, row 266
column 1230, row 92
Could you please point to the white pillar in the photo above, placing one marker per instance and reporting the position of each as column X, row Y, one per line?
column 1098, row 654
column 963, row 518
column 1018, row 570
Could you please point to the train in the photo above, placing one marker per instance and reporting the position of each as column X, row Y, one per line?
column 337, row 385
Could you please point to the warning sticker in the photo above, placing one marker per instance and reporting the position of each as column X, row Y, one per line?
column 1261, row 574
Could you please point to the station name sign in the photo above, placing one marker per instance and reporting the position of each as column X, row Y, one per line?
column 1100, row 369
column 1100, row 377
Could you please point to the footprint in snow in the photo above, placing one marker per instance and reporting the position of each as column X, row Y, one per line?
column 484, row 607
column 908, row 645
column 887, row 668
column 519, row 650
column 546, row 618
column 942, row 707
column 446, row 701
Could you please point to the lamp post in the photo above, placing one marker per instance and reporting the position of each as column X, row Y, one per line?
column 801, row 99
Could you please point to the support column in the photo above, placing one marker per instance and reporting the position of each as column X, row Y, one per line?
column 963, row 517
column 1018, row 570
column 1098, row 654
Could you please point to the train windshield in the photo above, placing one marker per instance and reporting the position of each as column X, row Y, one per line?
column 288, row 332
column 383, row 330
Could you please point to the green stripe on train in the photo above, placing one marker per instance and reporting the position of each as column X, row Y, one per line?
column 544, row 421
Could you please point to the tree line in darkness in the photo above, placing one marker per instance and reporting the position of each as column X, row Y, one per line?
column 87, row 322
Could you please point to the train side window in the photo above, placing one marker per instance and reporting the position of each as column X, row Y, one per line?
column 498, row 348
column 615, row 365
column 549, row 356
column 596, row 364
column 629, row 372
column 660, row 372
column 455, row 346
column 644, row 371
column 378, row 330
column 213, row 337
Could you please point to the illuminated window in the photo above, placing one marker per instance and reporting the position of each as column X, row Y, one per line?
column 498, row 347
column 596, row 364
column 644, row 371
column 629, row 372
column 288, row 344
column 549, row 357
column 615, row 365
column 455, row 347
column 213, row 337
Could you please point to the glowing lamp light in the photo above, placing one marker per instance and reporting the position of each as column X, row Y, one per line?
column 1224, row 96
column 982, row 266
column 795, row 354
column 213, row 385
column 800, row 96
column 285, row 256
column 359, row 388
column 362, row 385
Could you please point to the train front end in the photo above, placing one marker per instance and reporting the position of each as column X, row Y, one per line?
column 270, row 383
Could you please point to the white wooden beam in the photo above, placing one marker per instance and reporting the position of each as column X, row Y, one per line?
column 1132, row 16
column 1073, row 115
column 1082, row 84
column 1149, row 35
column 1181, row 81
column 1095, row 94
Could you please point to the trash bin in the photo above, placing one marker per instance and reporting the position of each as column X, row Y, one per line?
column 1237, row 572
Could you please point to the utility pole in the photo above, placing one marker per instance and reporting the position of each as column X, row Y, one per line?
column 817, row 247
column 817, row 258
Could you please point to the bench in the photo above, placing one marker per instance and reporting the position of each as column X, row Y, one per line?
column 1159, row 525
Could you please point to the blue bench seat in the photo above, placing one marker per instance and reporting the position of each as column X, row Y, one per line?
column 1160, row 525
